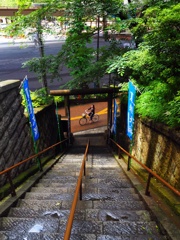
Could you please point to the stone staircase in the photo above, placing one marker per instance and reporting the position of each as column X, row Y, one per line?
column 111, row 208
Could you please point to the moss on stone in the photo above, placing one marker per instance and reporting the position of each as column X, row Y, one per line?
column 163, row 192
column 22, row 177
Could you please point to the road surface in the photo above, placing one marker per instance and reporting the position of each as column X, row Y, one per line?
column 12, row 55
column 76, row 114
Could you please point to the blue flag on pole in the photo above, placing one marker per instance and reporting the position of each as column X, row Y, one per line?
column 130, row 111
column 115, row 116
column 32, row 117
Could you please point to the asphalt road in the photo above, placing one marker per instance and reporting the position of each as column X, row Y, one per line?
column 76, row 114
column 13, row 55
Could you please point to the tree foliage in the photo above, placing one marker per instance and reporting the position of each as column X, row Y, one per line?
column 154, row 65
column 78, row 56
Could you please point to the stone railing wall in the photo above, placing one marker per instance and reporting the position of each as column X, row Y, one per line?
column 15, row 135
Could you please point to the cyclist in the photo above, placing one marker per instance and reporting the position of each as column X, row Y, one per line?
column 91, row 111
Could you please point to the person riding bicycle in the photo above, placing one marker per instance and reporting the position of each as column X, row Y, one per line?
column 89, row 115
column 91, row 111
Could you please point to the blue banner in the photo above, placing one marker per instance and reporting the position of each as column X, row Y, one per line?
column 115, row 116
column 32, row 117
column 130, row 111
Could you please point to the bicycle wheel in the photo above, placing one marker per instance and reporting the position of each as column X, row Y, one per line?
column 82, row 121
column 95, row 118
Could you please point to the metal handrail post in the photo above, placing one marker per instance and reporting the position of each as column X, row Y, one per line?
column 129, row 164
column 80, row 191
column 13, row 192
column 85, row 167
column 147, row 192
column 119, row 154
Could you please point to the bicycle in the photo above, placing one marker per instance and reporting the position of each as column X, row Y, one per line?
column 86, row 117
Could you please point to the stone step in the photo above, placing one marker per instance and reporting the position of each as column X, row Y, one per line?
column 58, row 236
column 111, row 197
column 113, row 228
column 57, row 184
column 86, row 196
column 51, row 205
column 50, row 196
column 59, row 179
column 62, row 189
column 104, row 183
column 60, row 204
column 63, row 172
column 49, row 184
column 25, row 225
column 89, row 172
column 82, row 214
column 120, row 191
column 24, row 212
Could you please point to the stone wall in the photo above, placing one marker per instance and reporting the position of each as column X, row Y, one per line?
column 15, row 141
column 15, row 135
column 48, row 129
column 158, row 147
column 155, row 145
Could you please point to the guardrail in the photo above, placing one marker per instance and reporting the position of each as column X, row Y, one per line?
column 77, row 192
column 151, row 173
column 8, row 170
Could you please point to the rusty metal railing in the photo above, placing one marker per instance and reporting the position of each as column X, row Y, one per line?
column 78, row 191
column 151, row 173
column 8, row 170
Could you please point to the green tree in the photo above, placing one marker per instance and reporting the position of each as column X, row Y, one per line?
column 33, row 20
column 154, row 66
column 8, row 3
column 84, row 62
column 75, row 54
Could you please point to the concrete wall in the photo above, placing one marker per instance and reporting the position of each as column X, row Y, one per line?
column 15, row 134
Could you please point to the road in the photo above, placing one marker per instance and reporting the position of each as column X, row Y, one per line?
column 13, row 55
column 76, row 114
